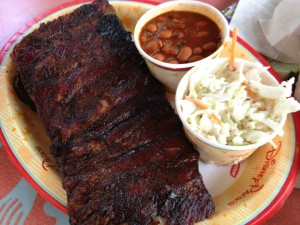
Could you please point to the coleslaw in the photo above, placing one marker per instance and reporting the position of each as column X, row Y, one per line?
column 236, row 107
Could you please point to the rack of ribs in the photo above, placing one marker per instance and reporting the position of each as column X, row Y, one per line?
column 119, row 146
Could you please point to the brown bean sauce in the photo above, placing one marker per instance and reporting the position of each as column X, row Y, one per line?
column 180, row 37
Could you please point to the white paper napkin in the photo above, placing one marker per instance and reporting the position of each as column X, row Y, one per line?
column 282, row 31
column 271, row 27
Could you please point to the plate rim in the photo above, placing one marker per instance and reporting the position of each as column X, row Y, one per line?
column 263, row 216
column 290, row 181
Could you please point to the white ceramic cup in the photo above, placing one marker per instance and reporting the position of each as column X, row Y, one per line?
column 167, row 73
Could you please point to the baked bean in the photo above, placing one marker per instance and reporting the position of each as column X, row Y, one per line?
column 178, row 25
column 197, row 50
column 173, row 61
column 152, row 27
column 153, row 46
column 195, row 58
column 174, row 50
column 143, row 39
column 210, row 46
column 179, row 34
column 180, row 37
column 159, row 56
column 166, row 49
column 161, row 19
column 165, row 34
column 201, row 34
column 184, row 53
column 201, row 24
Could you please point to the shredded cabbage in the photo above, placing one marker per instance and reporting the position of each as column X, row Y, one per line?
column 248, row 109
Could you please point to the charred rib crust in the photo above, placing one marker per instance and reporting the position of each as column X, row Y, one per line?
column 119, row 146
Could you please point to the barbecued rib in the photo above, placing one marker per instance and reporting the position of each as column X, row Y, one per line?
column 120, row 148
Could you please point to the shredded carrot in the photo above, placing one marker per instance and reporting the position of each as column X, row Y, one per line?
column 201, row 105
column 251, row 93
column 197, row 103
column 214, row 118
column 232, row 50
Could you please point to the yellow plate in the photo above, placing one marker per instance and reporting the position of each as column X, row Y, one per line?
column 247, row 192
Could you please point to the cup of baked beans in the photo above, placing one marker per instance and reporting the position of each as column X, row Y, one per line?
column 174, row 36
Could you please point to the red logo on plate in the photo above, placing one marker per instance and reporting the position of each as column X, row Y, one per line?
column 47, row 162
column 234, row 171
column 257, row 181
